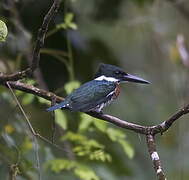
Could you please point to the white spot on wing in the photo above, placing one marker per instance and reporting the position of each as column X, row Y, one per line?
column 110, row 79
column 159, row 170
column 154, row 156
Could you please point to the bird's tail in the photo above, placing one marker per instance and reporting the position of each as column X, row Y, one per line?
column 57, row 106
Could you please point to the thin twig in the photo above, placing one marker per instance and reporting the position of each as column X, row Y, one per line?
column 30, row 128
column 42, row 32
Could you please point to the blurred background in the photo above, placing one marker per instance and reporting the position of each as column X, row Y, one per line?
column 147, row 38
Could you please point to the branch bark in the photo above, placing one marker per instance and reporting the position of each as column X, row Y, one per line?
column 155, row 157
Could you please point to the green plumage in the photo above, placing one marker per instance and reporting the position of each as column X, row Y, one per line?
column 90, row 95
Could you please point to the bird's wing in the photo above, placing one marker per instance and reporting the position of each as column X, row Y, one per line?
column 90, row 94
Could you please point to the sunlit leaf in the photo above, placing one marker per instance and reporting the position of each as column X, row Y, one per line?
column 115, row 134
column 100, row 125
column 57, row 165
column 3, row 31
column 27, row 145
column 9, row 129
column 90, row 148
column 128, row 149
column 85, row 173
column 81, row 171
column 28, row 99
column 85, row 122
column 43, row 100
column 68, row 18
column 70, row 86
column 60, row 118
column 73, row 26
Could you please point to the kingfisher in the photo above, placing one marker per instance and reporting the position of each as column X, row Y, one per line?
column 96, row 94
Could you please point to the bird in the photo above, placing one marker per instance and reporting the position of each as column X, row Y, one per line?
column 99, row 92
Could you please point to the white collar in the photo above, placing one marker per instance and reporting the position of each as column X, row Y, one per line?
column 110, row 79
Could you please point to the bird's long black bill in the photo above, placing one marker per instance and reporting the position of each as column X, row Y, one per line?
column 135, row 79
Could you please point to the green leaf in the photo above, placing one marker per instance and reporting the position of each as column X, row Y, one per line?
column 74, row 137
column 68, row 18
column 3, row 31
column 80, row 170
column 27, row 99
column 90, row 148
column 100, row 125
column 57, row 165
column 85, row 173
column 128, row 149
column 70, row 86
column 115, row 134
column 61, row 119
column 85, row 122
column 72, row 26
column 43, row 101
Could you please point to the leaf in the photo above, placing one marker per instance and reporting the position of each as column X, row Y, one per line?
column 27, row 99
column 80, row 170
column 115, row 134
column 68, row 18
column 73, row 137
column 26, row 145
column 60, row 118
column 90, row 148
column 72, row 26
column 100, row 125
column 9, row 129
column 3, row 31
column 57, row 165
column 85, row 173
column 128, row 149
column 70, row 86
column 85, row 122
column 43, row 101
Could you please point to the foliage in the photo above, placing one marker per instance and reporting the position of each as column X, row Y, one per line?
column 3, row 31
column 68, row 22
column 85, row 147
column 81, row 171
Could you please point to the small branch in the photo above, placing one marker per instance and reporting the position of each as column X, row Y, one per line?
column 165, row 125
column 155, row 157
column 34, row 90
column 38, row 45
column 42, row 32
column 119, row 122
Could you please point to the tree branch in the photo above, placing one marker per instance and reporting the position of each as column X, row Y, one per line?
column 156, row 129
column 155, row 157
column 38, row 45
column 42, row 33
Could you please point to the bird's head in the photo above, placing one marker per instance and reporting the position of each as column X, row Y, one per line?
column 113, row 73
